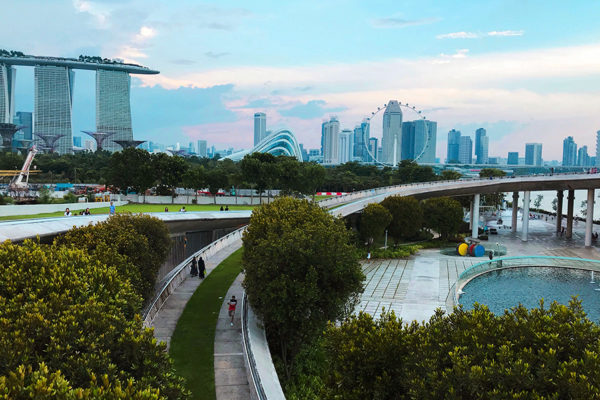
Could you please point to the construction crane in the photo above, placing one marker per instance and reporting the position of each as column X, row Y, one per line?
column 20, row 181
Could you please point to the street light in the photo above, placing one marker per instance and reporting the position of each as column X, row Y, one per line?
column 385, row 244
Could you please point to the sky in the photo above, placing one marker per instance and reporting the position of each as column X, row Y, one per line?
column 527, row 71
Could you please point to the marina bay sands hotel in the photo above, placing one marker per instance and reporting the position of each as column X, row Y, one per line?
column 54, row 95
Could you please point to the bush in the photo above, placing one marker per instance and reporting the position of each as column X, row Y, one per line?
column 391, row 252
column 70, row 198
column 137, row 244
column 66, row 309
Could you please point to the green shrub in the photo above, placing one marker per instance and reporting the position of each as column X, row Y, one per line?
column 391, row 252
column 70, row 198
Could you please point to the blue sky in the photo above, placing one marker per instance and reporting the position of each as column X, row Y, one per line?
column 524, row 70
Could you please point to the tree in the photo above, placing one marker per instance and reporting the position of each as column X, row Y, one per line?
column 131, row 168
column 300, row 272
column 555, row 204
column 543, row 353
column 409, row 172
column 312, row 176
column 373, row 221
column 538, row 201
column 216, row 179
column 584, row 208
column 195, row 178
column 491, row 172
column 444, row 215
column 407, row 217
column 450, row 175
column 169, row 170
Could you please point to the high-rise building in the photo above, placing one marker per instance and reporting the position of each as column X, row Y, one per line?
column 53, row 102
column 583, row 158
column 597, row 160
column 346, row 148
column 330, row 132
column 24, row 137
column 202, row 149
column 533, row 154
column 191, row 148
column 303, row 152
column 113, row 108
column 361, row 140
column 453, row 146
column 419, row 140
column 569, row 152
column 372, row 155
column 260, row 127
column 513, row 158
column 465, row 150
column 7, row 93
column 391, row 141
column 76, row 141
column 481, row 146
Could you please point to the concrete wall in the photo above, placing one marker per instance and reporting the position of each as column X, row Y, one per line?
column 185, row 199
column 32, row 209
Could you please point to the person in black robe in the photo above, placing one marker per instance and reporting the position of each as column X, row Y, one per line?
column 201, row 268
column 194, row 267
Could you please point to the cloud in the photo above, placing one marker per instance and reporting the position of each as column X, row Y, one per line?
column 261, row 103
column 212, row 54
column 506, row 33
column 458, row 35
column 446, row 58
column 397, row 22
column 310, row 110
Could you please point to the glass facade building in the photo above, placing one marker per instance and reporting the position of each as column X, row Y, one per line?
column 533, row 154
column 453, row 146
column 513, row 158
column 330, row 138
column 202, row 149
column 53, row 104
column 569, row 152
column 24, row 119
column 113, row 109
column 346, row 149
column 481, row 146
column 260, row 127
column 391, row 142
column 419, row 140
column 7, row 93
column 465, row 150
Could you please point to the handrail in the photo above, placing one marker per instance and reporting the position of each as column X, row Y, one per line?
column 254, row 377
column 518, row 262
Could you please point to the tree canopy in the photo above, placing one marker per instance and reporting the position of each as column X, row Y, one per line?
column 373, row 221
column 444, row 215
column 407, row 217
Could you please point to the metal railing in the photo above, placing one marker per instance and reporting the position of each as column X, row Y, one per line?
column 517, row 262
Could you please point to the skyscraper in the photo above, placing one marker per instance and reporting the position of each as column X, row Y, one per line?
column 346, row 148
column 419, row 140
column 583, row 158
column 331, row 140
column 7, row 93
column 453, row 146
column 372, row 156
column 481, row 146
column 513, row 158
column 260, row 126
column 361, row 140
column 391, row 141
column 24, row 119
column 597, row 160
column 202, row 148
column 465, row 150
column 569, row 152
column 53, row 102
column 533, row 154
column 113, row 109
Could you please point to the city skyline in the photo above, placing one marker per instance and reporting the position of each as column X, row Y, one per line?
column 531, row 80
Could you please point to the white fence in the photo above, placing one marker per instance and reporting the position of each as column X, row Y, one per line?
column 33, row 209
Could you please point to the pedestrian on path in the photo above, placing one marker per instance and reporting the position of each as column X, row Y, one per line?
column 201, row 268
column 112, row 209
column 232, row 304
column 194, row 268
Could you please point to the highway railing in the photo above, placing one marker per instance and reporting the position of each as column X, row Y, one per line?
column 516, row 262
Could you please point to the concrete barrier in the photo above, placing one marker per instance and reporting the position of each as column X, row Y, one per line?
column 33, row 209
column 187, row 199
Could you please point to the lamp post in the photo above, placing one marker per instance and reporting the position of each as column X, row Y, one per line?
column 385, row 244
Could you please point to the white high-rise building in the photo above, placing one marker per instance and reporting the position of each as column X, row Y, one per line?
column 260, row 127
column 113, row 108
column 391, row 141
column 346, row 150
column 202, row 148
column 7, row 93
column 465, row 150
column 330, row 138
column 53, row 101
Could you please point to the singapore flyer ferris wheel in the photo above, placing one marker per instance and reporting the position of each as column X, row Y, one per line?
column 404, row 133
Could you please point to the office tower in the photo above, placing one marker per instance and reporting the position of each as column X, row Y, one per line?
column 303, row 152
column 331, row 141
column 202, row 148
column 76, row 141
column 597, row 158
column 113, row 109
column 24, row 137
column 513, row 158
column 481, row 146
column 453, row 146
column 583, row 158
column 361, row 140
column 315, row 155
column 260, row 127
column 53, row 102
column 391, row 141
column 7, row 93
column 419, row 140
column 465, row 150
column 346, row 148
column 191, row 148
column 569, row 152
column 533, row 154
column 372, row 155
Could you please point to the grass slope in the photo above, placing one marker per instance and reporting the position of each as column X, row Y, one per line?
column 192, row 345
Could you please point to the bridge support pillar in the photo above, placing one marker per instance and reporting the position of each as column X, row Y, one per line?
column 570, row 205
column 475, row 217
column 559, row 208
column 525, row 225
column 589, row 218
column 515, row 211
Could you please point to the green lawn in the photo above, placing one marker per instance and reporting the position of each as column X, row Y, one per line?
column 136, row 208
column 192, row 345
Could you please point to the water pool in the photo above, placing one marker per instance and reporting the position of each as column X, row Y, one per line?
column 507, row 288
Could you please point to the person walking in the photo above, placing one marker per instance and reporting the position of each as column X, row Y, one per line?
column 194, row 267
column 201, row 268
column 112, row 208
column 232, row 305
